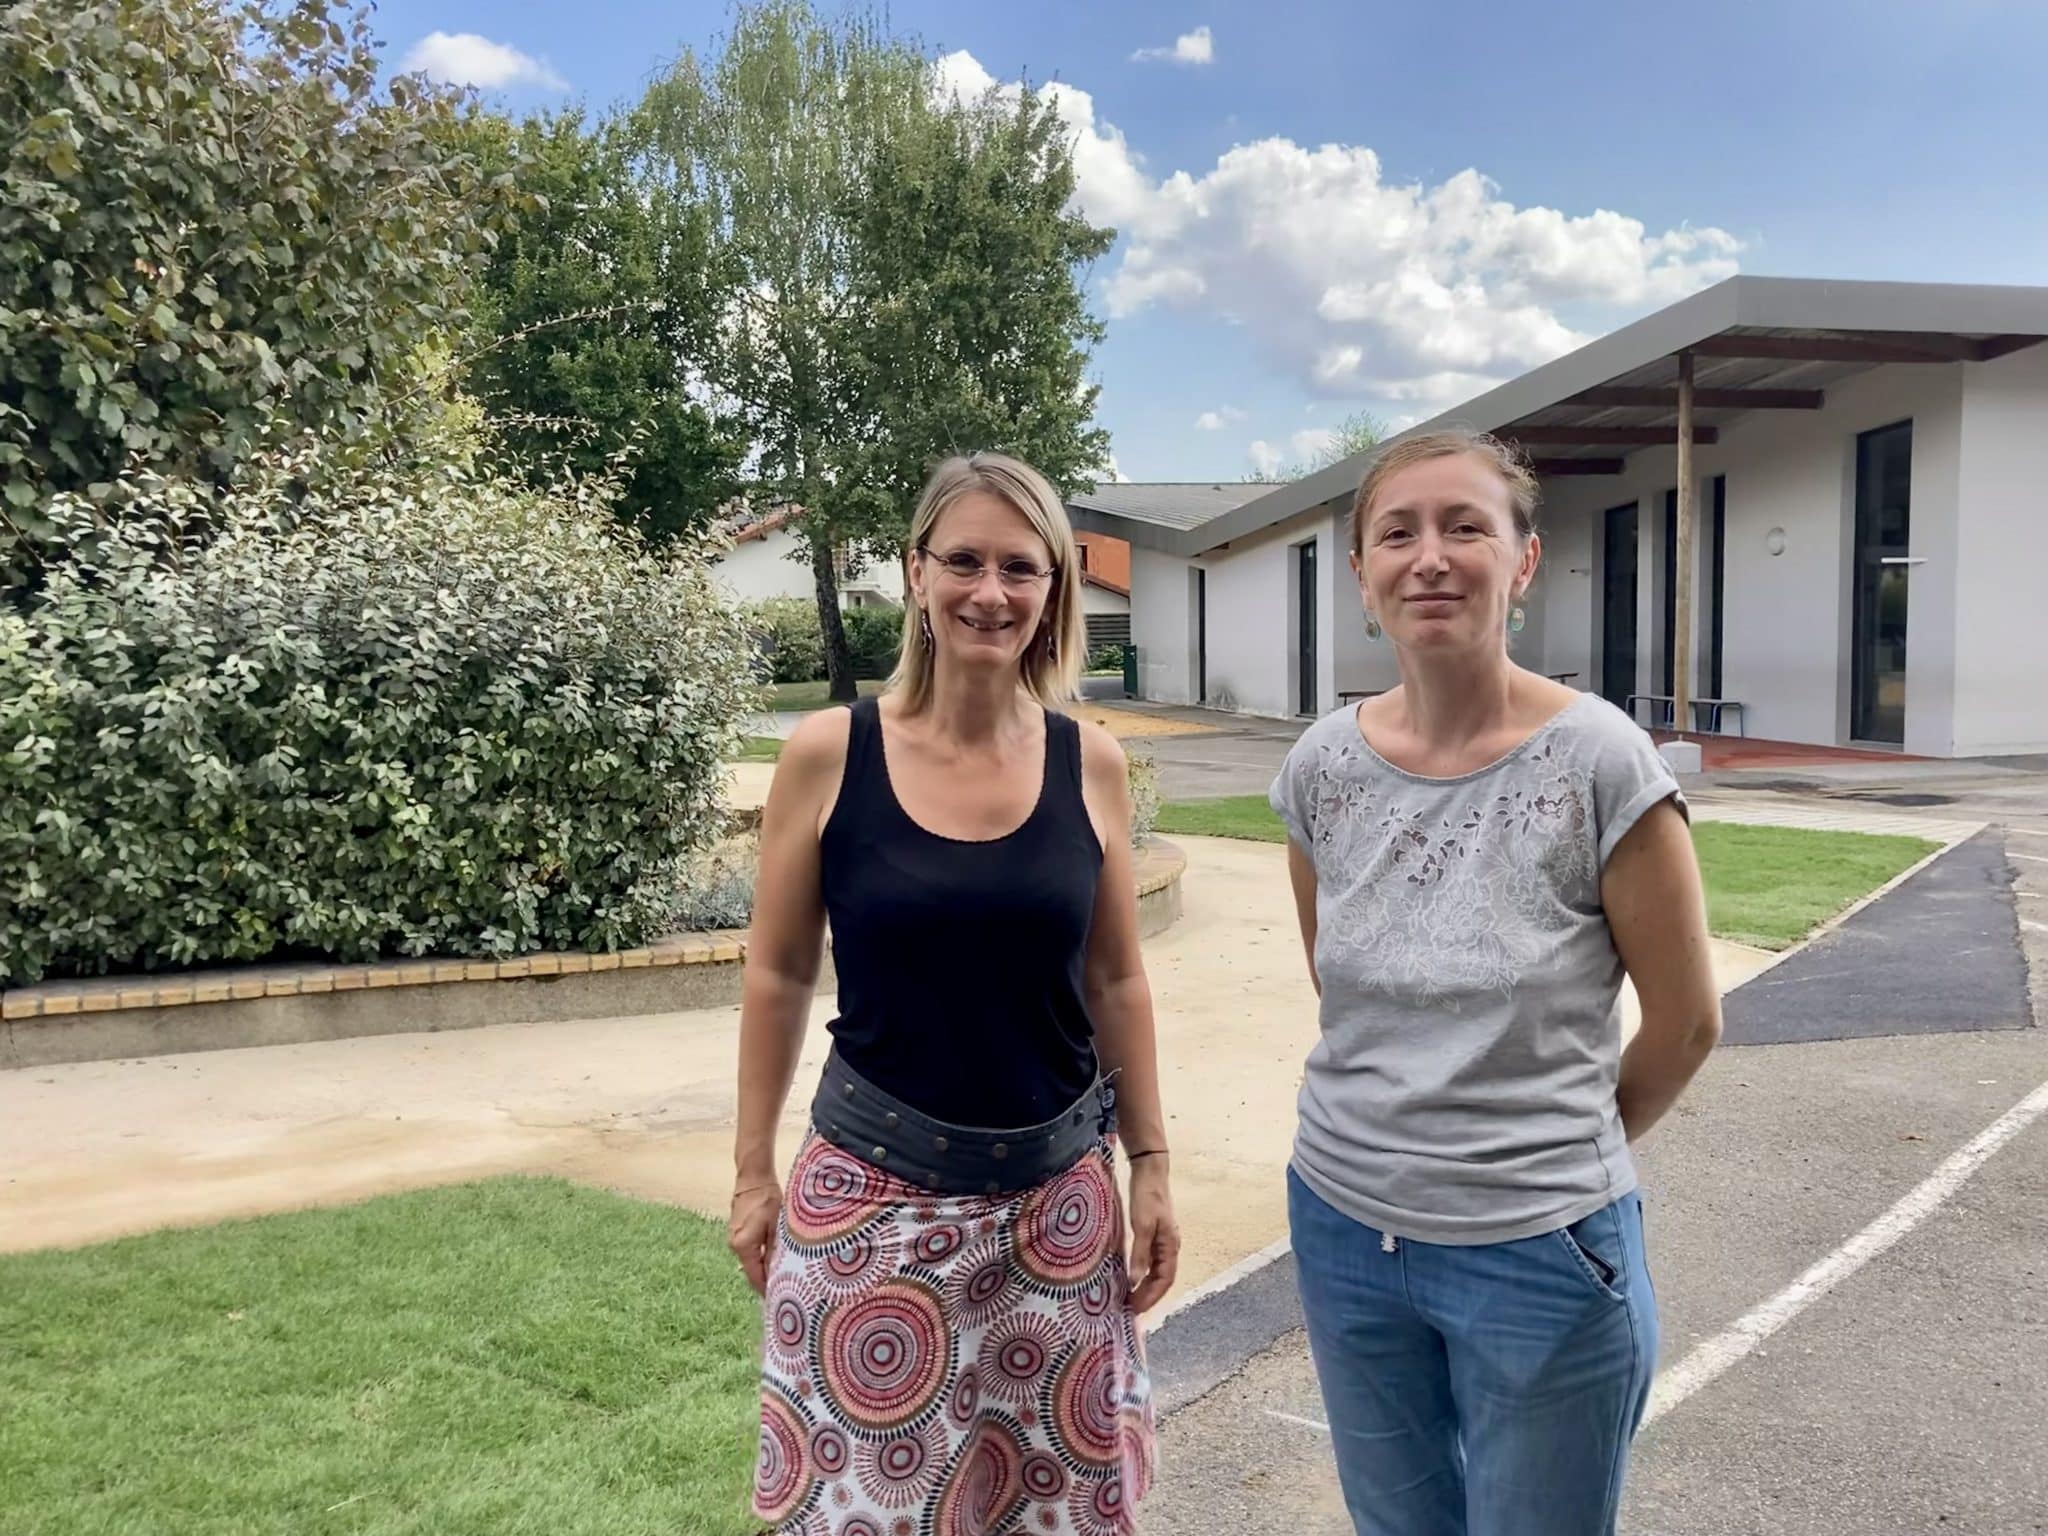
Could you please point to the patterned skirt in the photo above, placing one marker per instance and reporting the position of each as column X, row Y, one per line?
column 948, row 1365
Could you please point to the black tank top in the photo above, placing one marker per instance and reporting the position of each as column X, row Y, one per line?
column 960, row 963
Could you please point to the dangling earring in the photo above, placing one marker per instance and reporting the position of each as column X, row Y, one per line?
column 1052, row 646
column 1516, row 619
column 924, row 623
column 1372, row 627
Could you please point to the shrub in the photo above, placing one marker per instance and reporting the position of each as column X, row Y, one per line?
column 1143, row 776
column 875, row 637
column 787, row 640
column 213, row 215
column 1106, row 658
column 364, row 716
column 716, row 890
column 792, row 647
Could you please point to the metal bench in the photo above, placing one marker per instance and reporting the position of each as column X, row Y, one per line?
column 1706, row 713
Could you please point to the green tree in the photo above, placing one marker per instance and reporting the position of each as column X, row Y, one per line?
column 902, row 270
column 213, row 220
column 597, row 297
column 1355, row 434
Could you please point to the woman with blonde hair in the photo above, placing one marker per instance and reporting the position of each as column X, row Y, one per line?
column 1479, row 857
column 951, row 1341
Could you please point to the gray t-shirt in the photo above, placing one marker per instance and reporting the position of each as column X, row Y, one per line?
column 1463, row 1088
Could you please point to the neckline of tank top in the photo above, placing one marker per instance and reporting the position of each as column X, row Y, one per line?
column 1037, row 805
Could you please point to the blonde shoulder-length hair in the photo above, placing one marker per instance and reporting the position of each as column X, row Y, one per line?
column 1051, row 667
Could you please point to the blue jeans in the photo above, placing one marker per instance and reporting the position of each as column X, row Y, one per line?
column 1487, row 1390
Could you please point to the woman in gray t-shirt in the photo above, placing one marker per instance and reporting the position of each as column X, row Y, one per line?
column 1478, row 858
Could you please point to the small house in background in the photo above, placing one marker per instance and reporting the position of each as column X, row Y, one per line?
column 766, row 560
column 1105, row 589
column 1849, row 551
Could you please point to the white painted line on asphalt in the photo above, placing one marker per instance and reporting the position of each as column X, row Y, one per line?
column 1243, row 1269
column 2031, row 858
column 1725, row 1349
column 2037, row 927
column 1288, row 1418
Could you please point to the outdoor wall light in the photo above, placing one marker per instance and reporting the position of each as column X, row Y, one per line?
column 1774, row 541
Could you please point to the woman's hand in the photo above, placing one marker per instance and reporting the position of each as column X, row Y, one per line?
column 751, row 1231
column 1155, row 1235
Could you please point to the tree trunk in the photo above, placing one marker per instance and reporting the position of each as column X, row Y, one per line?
column 838, row 656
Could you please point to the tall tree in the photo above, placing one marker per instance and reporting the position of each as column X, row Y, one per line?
column 596, row 299
column 212, row 217
column 903, row 272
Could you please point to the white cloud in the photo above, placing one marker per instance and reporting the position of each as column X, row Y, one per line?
column 465, row 58
column 1217, row 420
column 1196, row 47
column 1358, row 287
column 1302, row 448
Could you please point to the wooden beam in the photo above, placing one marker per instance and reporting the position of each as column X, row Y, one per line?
column 1555, row 467
column 1998, row 346
column 1817, row 349
column 1703, row 399
column 1605, row 437
column 1681, row 644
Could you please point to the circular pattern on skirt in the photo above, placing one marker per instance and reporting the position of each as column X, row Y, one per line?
column 854, row 1263
column 1067, row 1226
column 1084, row 1402
column 1097, row 1509
column 1043, row 1477
column 782, row 1472
column 832, row 1194
column 1093, row 1311
column 831, row 1451
column 985, row 1486
column 861, row 1525
column 903, row 1469
column 1016, row 1357
column 964, row 1400
column 981, row 1286
column 936, row 1244
column 885, row 1355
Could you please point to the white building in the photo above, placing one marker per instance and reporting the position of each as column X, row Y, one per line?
column 1870, row 505
column 766, row 561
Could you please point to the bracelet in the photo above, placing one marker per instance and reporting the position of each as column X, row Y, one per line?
column 1149, row 1152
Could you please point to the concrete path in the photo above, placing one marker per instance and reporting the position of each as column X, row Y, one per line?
column 1906, row 1398
column 642, row 1105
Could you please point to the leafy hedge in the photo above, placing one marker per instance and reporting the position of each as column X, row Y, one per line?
column 366, row 718
column 792, row 647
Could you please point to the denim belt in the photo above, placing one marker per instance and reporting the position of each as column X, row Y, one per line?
column 878, row 1128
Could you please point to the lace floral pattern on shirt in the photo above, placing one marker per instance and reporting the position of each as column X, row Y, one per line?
column 1430, row 894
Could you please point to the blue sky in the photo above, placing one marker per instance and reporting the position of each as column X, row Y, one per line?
column 1332, row 206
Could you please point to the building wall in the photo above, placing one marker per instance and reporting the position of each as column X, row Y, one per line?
column 1163, row 626
column 1107, row 557
column 1787, row 618
column 2001, row 690
column 774, row 566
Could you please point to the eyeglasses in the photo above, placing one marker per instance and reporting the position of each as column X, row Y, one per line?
column 965, row 567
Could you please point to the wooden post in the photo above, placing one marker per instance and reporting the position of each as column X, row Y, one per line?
column 1681, row 629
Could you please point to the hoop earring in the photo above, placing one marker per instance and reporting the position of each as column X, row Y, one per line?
column 1372, row 628
column 1052, row 646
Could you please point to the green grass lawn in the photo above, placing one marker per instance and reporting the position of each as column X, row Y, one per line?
column 802, row 696
column 1766, row 886
column 1771, row 886
column 513, row 1355
column 759, row 749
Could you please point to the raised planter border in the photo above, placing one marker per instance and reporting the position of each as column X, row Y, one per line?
column 116, row 1017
